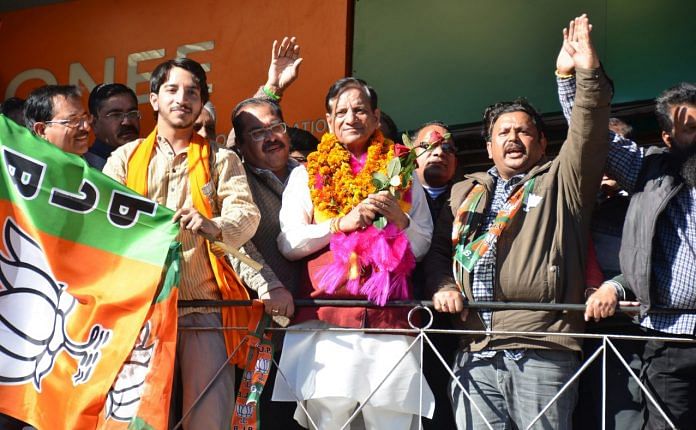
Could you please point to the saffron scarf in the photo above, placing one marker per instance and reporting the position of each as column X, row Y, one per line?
column 198, row 156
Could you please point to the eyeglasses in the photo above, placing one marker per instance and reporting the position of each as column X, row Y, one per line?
column 78, row 121
column 119, row 116
column 448, row 148
column 260, row 133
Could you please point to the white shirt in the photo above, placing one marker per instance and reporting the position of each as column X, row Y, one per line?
column 299, row 236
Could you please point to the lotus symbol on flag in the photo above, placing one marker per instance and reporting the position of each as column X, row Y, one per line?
column 263, row 365
column 245, row 411
column 34, row 311
column 123, row 400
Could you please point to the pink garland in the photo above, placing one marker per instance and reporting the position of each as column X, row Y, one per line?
column 385, row 255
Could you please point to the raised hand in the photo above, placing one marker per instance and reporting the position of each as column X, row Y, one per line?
column 578, row 43
column 285, row 64
column 565, row 65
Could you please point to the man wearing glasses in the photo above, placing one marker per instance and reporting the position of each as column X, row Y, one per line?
column 55, row 113
column 263, row 141
column 116, row 121
column 436, row 167
column 435, row 172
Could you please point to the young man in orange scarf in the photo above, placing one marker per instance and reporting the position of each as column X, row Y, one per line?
column 207, row 187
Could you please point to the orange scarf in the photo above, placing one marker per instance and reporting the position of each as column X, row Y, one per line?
column 231, row 288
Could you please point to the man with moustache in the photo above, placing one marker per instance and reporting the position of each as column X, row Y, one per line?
column 116, row 121
column 55, row 112
column 263, row 141
column 658, row 252
column 207, row 187
column 519, row 233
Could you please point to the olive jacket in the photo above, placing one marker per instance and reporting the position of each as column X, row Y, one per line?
column 541, row 256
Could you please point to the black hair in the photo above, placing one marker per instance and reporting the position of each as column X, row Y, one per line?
column 39, row 104
column 302, row 140
column 681, row 94
column 392, row 130
column 493, row 112
column 343, row 84
column 161, row 74
column 237, row 122
column 103, row 92
column 13, row 108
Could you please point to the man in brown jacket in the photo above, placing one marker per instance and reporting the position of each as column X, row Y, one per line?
column 518, row 232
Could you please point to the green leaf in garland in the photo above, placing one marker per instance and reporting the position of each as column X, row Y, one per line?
column 380, row 180
column 393, row 167
column 406, row 140
column 380, row 222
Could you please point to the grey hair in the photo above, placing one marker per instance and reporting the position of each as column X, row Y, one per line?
column 211, row 110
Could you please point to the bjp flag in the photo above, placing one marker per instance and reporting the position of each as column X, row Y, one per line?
column 88, row 271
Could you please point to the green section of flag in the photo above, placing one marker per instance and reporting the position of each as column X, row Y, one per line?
column 139, row 424
column 63, row 175
column 173, row 273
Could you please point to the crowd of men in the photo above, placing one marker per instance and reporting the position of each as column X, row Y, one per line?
column 527, row 230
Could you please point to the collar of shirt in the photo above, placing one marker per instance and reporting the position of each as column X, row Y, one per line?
column 164, row 145
column 434, row 192
column 502, row 189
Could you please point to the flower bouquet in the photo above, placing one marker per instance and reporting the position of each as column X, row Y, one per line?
column 378, row 261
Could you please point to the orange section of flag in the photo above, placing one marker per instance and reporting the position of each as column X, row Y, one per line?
column 140, row 396
column 70, row 315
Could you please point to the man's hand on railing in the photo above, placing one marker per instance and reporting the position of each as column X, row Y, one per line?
column 278, row 302
column 450, row 301
column 602, row 302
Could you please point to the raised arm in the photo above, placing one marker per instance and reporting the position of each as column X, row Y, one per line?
column 583, row 155
column 283, row 69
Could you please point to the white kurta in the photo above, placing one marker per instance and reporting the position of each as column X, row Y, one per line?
column 351, row 365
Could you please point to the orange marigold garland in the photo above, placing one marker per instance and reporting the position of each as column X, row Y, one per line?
column 372, row 262
column 335, row 190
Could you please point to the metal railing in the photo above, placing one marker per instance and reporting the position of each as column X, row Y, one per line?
column 421, row 339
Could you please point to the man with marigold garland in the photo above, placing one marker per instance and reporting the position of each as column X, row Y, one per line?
column 361, row 241
column 519, row 233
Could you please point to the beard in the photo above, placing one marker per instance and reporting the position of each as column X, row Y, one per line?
column 688, row 171
column 685, row 160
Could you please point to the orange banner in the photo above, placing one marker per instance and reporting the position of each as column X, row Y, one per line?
column 86, row 42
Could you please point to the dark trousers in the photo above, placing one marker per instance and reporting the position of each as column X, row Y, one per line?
column 9, row 423
column 669, row 371
column 623, row 401
column 437, row 376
